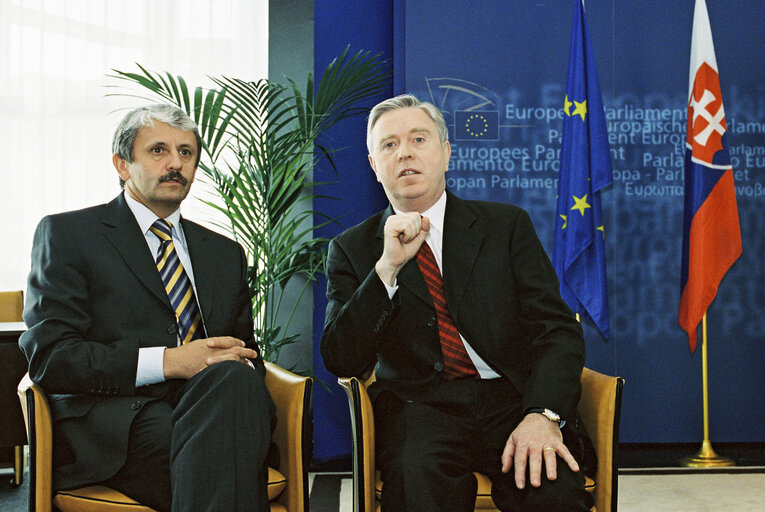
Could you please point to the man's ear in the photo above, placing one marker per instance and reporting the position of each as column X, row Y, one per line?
column 372, row 165
column 447, row 154
column 122, row 167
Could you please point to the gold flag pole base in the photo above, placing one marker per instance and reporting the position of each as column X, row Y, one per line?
column 706, row 458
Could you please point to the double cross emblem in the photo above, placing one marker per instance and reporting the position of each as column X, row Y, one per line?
column 714, row 121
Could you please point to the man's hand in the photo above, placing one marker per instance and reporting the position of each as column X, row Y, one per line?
column 403, row 235
column 535, row 440
column 187, row 360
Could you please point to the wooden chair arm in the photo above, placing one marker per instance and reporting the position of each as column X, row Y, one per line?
column 363, row 427
column 34, row 405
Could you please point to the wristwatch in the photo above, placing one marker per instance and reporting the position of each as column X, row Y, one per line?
column 547, row 413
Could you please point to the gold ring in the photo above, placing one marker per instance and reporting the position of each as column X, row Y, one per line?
column 548, row 448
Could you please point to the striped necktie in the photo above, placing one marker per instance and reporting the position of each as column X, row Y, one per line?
column 177, row 284
column 457, row 362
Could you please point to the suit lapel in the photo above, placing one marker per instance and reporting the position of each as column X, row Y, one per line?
column 463, row 238
column 410, row 276
column 125, row 235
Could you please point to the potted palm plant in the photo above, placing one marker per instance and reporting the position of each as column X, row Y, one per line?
column 260, row 144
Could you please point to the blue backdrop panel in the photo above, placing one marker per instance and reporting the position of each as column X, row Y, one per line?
column 356, row 195
column 507, row 59
column 497, row 68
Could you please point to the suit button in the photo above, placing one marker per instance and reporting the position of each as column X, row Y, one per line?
column 439, row 366
column 431, row 321
column 137, row 405
column 172, row 329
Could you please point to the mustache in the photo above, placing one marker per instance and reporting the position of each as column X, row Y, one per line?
column 174, row 175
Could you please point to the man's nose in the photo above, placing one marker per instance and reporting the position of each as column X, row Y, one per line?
column 404, row 151
column 175, row 160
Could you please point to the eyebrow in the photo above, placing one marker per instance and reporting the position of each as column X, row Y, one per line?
column 412, row 131
column 160, row 142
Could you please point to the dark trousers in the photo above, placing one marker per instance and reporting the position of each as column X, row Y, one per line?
column 204, row 447
column 427, row 451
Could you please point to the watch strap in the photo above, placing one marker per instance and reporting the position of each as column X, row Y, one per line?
column 547, row 413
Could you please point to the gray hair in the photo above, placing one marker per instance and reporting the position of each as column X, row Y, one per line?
column 127, row 130
column 407, row 101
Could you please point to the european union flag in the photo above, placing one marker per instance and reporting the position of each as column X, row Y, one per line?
column 476, row 125
column 579, row 254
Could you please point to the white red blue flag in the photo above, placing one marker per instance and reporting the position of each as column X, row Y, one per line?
column 711, row 233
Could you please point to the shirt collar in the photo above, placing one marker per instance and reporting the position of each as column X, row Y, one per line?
column 146, row 217
column 436, row 213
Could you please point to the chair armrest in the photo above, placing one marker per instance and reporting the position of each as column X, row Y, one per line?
column 600, row 410
column 363, row 427
column 291, row 394
column 39, row 423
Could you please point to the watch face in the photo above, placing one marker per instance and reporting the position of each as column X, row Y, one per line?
column 552, row 416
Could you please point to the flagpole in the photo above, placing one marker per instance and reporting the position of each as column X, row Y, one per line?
column 706, row 456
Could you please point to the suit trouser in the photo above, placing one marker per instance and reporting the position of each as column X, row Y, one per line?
column 204, row 447
column 428, row 450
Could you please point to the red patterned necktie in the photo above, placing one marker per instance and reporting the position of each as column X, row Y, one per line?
column 457, row 362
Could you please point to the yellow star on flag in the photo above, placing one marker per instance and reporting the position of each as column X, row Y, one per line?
column 580, row 203
column 602, row 230
column 567, row 106
column 581, row 108
column 565, row 219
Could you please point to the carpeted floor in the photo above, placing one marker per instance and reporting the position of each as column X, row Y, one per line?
column 656, row 490
column 638, row 492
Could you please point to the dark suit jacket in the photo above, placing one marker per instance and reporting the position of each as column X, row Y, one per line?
column 94, row 297
column 501, row 291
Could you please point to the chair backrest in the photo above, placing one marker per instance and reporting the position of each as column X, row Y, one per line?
column 11, row 306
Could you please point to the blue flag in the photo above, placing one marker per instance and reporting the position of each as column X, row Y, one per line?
column 579, row 254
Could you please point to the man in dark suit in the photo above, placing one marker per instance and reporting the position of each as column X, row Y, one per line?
column 456, row 307
column 140, row 329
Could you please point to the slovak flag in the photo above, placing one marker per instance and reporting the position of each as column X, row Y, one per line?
column 711, row 233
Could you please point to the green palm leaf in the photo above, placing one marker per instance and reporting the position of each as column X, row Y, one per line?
column 260, row 146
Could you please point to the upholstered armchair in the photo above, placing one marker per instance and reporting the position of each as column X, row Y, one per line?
column 287, row 486
column 599, row 408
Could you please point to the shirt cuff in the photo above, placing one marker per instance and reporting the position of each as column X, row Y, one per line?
column 391, row 289
column 151, row 368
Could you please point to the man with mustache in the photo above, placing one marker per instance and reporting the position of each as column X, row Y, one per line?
column 456, row 306
column 140, row 329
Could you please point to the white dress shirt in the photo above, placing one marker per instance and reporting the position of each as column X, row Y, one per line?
column 435, row 240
